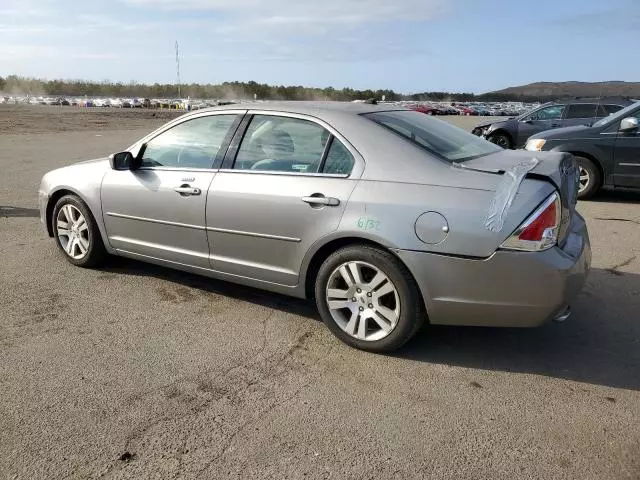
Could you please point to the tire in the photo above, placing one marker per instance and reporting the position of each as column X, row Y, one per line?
column 502, row 140
column 401, row 307
column 590, row 178
column 88, row 250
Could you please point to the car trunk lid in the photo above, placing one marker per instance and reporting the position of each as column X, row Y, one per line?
column 557, row 168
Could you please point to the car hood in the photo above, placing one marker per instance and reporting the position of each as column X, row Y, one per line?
column 565, row 132
column 94, row 160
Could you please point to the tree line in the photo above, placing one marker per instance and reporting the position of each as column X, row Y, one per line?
column 14, row 84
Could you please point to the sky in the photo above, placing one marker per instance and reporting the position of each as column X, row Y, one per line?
column 405, row 45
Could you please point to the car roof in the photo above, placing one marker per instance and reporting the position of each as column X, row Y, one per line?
column 623, row 101
column 309, row 107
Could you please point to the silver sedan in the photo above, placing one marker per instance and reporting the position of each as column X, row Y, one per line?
column 387, row 217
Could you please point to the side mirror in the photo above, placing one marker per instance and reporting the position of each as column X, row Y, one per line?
column 122, row 161
column 528, row 120
column 629, row 124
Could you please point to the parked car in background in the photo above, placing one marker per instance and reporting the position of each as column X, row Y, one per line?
column 427, row 109
column 514, row 132
column 313, row 200
column 464, row 110
column 607, row 152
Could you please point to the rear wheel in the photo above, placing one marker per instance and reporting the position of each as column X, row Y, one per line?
column 368, row 299
column 590, row 178
column 501, row 139
column 76, row 232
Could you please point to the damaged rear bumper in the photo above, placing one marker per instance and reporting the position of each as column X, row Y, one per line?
column 508, row 289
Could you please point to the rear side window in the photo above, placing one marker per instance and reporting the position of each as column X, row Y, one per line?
column 552, row 112
column 339, row 160
column 582, row 110
column 612, row 109
column 440, row 138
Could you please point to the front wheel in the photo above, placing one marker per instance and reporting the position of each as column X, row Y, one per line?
column 501, row 139
column 368, row 299
column 589, row 178
column 76, row 232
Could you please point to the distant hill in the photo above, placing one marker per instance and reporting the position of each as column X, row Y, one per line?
column 573, row 89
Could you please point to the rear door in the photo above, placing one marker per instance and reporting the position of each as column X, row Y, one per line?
column 627, row 157
column 284, row 184
column 158, row 210
column 542, row 119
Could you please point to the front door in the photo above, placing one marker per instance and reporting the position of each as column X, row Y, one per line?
column 158, row 210
column 627, row 157
column 287, row 187
column 542, row 119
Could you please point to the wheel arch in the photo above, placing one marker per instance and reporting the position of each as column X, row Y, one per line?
column 323, row 251
column 51, row 203
column 596, row 162
column 66, row 190
column 597, row 155
column 503, row 131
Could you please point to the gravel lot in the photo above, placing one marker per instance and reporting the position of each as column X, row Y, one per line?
column 136, row 371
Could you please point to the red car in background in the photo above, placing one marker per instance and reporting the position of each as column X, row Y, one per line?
column 428, row 109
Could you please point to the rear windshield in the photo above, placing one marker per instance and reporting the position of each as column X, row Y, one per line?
column 440, row 138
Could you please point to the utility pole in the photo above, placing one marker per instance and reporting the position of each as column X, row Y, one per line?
column 178, row 68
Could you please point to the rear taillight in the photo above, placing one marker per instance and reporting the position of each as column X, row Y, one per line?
column 540, row 230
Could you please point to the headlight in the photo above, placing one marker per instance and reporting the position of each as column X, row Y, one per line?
column 535, row 145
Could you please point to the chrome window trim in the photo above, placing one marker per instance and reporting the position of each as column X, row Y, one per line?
column 290, row 174
column 179, row 169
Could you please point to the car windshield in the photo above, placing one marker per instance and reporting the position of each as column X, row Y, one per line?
column 618, row 115
column 440, row 138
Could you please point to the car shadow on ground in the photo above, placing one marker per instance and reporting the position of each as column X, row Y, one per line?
column 616, row 196
column 7, row 211
column 284, row 303
column 598, row 344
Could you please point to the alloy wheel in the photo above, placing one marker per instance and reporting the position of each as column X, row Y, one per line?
column 500, row 140
column 584, row 179
column 363, row 301
column 72, row 231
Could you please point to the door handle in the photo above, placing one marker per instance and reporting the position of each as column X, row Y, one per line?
column 187, row 190
column 319, row 199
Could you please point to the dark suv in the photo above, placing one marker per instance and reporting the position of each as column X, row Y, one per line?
column 513, row 132
column 607, row 152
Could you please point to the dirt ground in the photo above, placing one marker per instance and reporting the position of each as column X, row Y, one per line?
column 47, row 118
column 133, row 371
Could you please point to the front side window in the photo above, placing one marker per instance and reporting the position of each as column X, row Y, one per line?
column 629, row 110
column 582, row 110
column 553, row 112
column 191, row 144
column 282, row 144
column 438, row 137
